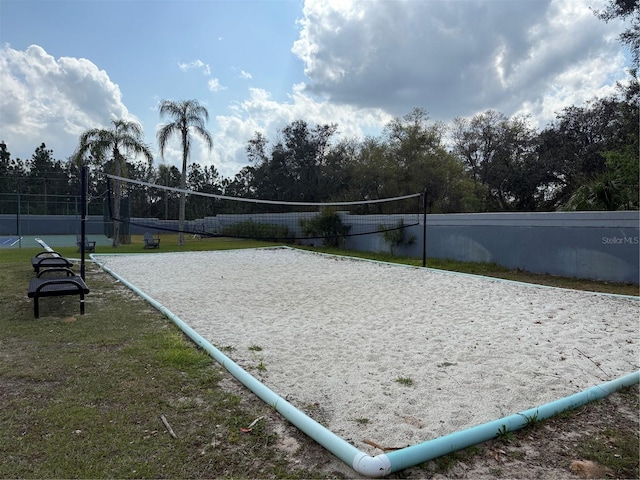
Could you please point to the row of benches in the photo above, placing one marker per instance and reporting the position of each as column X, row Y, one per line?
column 54, row 277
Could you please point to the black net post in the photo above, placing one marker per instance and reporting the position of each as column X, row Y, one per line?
column 424, row 228
column 18, row 231
column 83, row 217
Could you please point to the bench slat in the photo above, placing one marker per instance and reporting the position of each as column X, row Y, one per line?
column 51, row 287
column 47, row 262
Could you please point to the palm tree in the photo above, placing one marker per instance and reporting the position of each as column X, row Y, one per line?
column 187, row 115
column 118, row 142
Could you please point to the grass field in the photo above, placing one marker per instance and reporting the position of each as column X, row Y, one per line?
column 86, row 396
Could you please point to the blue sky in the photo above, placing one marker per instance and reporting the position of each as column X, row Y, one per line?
column 67, row 66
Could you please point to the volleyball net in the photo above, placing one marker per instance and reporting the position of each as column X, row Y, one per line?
column 148, row 207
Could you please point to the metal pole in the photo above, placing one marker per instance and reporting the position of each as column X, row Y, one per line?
column 83, row 217
column 18, row 224
column 424, row 228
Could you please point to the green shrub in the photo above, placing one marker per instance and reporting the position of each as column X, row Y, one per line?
column 326, row 225
column 396, row 237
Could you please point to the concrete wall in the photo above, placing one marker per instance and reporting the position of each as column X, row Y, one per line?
column 596, row 245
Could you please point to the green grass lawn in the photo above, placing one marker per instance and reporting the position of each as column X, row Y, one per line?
column 82, row 396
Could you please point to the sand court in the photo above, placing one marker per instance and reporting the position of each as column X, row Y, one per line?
column 393, row 354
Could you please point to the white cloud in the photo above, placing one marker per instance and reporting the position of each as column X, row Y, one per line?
column 245, row 75
column 197, row 64
column 260, row 112
column 53, row 100
column 574, row 86
column 214, row 85
column 455, row 58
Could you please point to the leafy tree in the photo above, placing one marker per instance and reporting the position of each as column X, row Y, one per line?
column 500, row 155
column 141, row 201
column 6, row 180
column 205, row 180
column 96, row 184
column 336, row 173
column 304, row 151
column 514, row 176
column 417, row 160
column 12, row 176
column 111, row 147
column 631, row 36
column 241, row 185
column 615, row 189
column 412, row 136
column 12, row 171
column 622, row 160
column 601, row 193
column 577, row 145
column 623, row 9
column 188, row 116
column 291, row 170
column 269, row 178
column 474, row 142
column 372, row 173
column 47, row 177
column 5, row 156
column 169, row 176
column 625, row 169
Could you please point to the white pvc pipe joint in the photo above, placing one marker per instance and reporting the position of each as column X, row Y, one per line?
column 373, row 467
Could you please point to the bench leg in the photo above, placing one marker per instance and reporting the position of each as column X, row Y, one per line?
column 82, row 304
column 36, row 307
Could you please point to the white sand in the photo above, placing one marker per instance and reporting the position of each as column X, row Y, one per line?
column 335, row 335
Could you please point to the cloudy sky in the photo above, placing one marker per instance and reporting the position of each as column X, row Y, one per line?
column 67, row 66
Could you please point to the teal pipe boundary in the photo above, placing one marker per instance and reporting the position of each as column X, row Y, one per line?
column 431, row 449
column 384, row 464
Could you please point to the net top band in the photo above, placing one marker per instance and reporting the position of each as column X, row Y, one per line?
column 255, row 200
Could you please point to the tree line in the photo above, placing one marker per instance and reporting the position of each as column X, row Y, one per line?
column 587, row 159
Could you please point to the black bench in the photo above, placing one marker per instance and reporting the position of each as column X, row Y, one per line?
column 49, row 260
column 70, row 284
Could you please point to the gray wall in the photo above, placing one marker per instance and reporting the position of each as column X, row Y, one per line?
column 596, row 245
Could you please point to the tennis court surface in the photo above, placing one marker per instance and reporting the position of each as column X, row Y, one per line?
column 9, row 241
column 54, row 241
